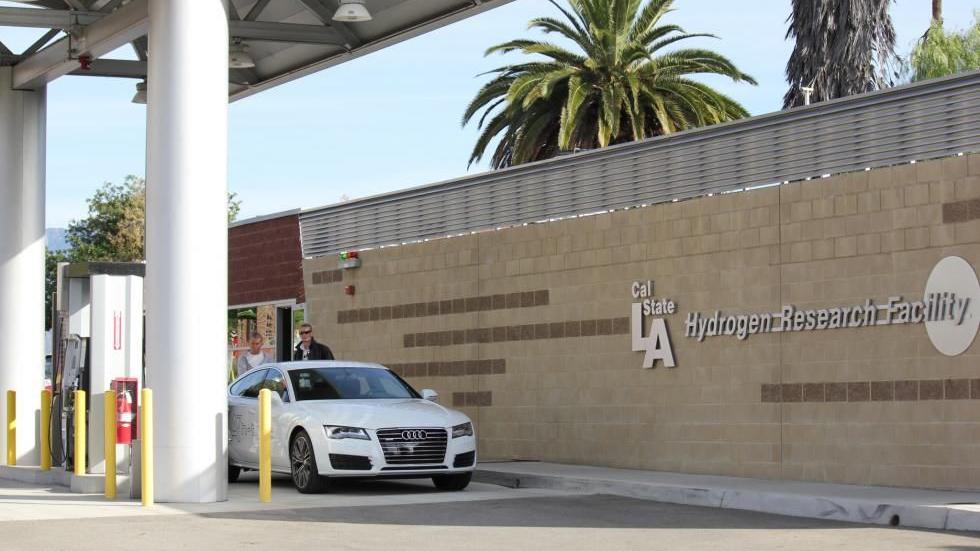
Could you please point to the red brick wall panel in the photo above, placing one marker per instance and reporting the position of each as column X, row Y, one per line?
column 265, row 262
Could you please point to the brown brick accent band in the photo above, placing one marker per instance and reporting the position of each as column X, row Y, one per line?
column 529, row 332
column 961, row 211
column 874, row 391
column 450, row 369
column 328, row 276
column 473, row 399
column 526, row 299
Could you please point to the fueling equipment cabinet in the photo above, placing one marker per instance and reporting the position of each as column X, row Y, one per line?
column 98, row 348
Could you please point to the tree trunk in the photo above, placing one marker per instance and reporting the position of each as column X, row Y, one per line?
column 937, row 10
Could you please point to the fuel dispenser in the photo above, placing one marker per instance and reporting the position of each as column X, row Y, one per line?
column 98, row 348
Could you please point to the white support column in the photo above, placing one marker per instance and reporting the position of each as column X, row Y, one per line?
column 187, row 247
column 22, row 145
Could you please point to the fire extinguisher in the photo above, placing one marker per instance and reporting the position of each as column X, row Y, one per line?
column 124, row 418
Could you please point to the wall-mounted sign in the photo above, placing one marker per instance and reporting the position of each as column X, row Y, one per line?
column 954, row 332
column 949, row 309
column 656, row 343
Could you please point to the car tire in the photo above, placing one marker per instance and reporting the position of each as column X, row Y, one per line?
column 452, row 482
column 233, row 473
column 302, row 465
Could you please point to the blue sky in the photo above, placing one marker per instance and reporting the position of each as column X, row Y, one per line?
column 389, row 120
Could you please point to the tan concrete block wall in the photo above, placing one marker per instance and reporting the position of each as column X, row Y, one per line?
column 570, row 389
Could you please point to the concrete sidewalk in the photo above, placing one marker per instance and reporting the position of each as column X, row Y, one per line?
column 32, row 501
column 863, row 504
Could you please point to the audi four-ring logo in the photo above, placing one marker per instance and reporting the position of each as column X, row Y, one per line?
column 413, row 435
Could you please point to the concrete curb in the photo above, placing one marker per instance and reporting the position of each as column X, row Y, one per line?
column 871, row 510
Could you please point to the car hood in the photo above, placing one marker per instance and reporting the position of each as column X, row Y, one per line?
column 376, row 414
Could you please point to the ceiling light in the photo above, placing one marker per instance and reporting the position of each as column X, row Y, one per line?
column 352, row 11
column 140, row 96
column 238, row 57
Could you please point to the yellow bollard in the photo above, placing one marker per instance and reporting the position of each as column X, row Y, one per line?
column 11, row 427
column 45, row 430
column 80, row 440
column 265, row 445
column 146, row 446
column 109, row 410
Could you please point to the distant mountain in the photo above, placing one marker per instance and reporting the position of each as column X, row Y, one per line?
column 57, row 239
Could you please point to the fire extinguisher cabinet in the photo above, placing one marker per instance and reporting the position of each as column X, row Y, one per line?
column 127, row 394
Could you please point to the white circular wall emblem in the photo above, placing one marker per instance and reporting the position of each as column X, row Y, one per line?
column 954, row 282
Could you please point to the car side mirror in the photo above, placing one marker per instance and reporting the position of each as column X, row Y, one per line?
column 276, row 398
column 430, row 395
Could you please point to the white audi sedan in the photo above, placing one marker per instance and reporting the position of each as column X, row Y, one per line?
column 335, row 419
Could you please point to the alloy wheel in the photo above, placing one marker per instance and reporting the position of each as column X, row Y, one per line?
column 302, row 461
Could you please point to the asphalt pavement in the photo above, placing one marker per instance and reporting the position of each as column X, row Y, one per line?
column 412, row 514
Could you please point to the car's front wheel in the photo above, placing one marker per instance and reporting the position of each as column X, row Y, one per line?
column 452, row 482
column 233, row 473
column 306, row 476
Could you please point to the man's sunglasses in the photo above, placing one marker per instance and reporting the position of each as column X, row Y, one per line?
column 305, row 332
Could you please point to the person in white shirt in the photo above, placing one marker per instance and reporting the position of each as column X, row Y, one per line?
column 254, row 356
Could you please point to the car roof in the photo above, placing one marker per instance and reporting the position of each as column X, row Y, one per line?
column 318, row 364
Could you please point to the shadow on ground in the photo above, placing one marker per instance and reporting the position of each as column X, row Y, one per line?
column 579, row 511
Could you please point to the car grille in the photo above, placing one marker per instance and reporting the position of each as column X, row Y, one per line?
column 413, row 445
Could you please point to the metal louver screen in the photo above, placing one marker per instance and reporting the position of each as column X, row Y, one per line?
column 914, row 122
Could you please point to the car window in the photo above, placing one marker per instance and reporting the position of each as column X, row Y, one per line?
column 246, row 383
column 275, row 382
column 348, row 383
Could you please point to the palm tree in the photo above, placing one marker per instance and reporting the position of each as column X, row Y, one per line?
column 616, row 85
column 843, row 47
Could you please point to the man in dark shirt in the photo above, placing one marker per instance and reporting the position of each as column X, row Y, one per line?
column 308, row 348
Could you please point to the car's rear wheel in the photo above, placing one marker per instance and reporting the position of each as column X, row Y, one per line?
column 452, row 482
column 233, row 473
column 302, row 463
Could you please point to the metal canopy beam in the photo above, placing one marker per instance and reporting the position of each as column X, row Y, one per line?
column 284, row 32
column 256, row 10
column 105, row 25
column 447, row 18
column 325, row 15
column 46, row 19
column 126, row 24
column 40, row 42
column 75, row 4
column 119, row 68
column 254, row 30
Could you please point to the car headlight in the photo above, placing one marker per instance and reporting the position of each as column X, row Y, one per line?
column 341, row 433
column 466, row 429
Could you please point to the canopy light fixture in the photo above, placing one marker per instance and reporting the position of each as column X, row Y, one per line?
column 352, row 11
column 238, row 57
column 140, row 96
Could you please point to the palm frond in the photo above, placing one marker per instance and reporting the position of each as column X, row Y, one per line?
column 618, row 88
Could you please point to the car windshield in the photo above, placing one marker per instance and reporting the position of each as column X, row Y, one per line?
column 348, row 383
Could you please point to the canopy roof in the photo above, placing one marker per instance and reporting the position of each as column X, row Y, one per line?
column 287, row 39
